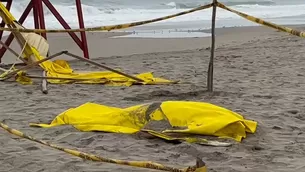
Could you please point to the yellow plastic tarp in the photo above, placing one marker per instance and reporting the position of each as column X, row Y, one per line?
column 62, row 69
column 191, row 117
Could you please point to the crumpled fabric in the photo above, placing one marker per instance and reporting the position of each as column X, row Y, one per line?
column 20, row 77
column 183, row 116
column 23, row 79
column 62, row 69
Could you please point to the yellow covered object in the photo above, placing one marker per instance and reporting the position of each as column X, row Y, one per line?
column 191, row 117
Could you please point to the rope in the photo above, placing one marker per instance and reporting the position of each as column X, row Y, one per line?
column 139, row 23
column 110, row 27
column 262, row 22
column 86, row 156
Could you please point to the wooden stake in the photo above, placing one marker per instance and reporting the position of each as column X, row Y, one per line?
column 211, row 63
column 103, row 66
column 44, row 83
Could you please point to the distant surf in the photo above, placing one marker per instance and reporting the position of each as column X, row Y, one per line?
column 108, row 12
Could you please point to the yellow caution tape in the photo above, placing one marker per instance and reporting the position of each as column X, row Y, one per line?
column 110, row 27
column 262, row 22
column 86, row 156
column 133, row 24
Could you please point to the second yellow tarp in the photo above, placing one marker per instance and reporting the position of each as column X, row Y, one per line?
column 62, row 69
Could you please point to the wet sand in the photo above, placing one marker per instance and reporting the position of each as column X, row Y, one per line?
column 259, row 73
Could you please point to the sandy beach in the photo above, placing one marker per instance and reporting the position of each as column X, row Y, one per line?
column 259, row 73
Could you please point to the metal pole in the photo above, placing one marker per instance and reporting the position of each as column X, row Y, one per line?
column 40, row 13
column 211, row 63
column 81, row 26
column 35, row 14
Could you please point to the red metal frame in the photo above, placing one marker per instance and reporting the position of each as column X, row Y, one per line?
column 39, row 22
column 8, row 6
column 82, row 25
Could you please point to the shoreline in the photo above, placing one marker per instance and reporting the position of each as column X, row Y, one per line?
column 102, row 44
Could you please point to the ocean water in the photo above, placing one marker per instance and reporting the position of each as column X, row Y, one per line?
column 108, row 12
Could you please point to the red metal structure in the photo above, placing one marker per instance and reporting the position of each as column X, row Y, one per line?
column 39, row 22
